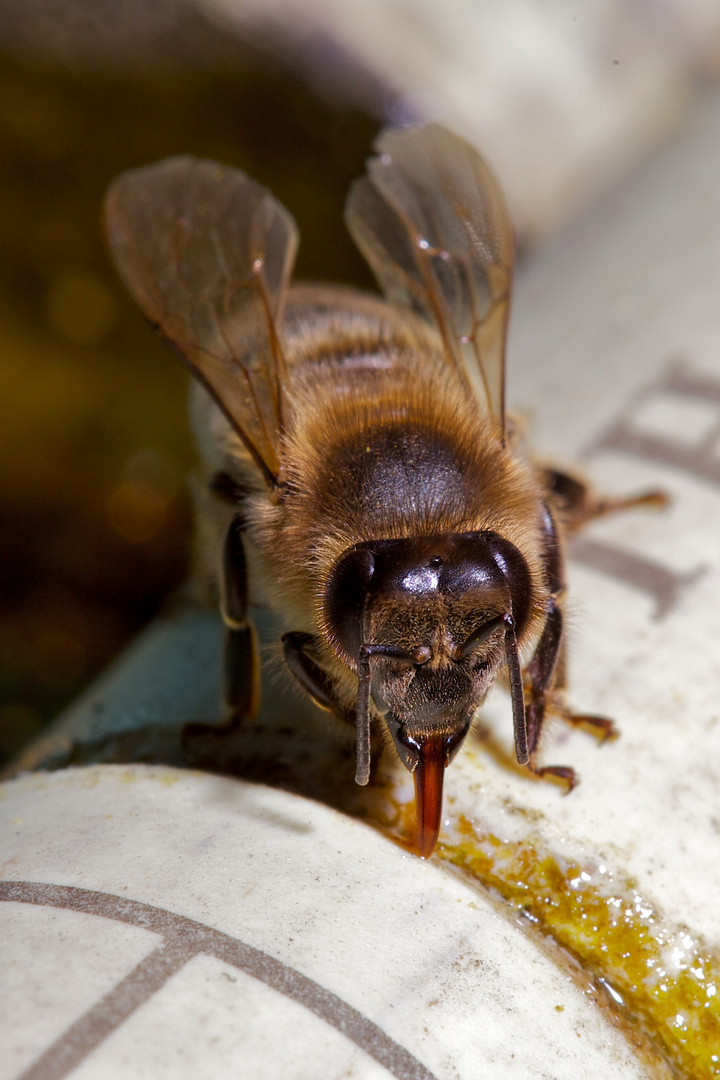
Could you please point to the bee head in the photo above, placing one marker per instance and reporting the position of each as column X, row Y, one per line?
column 427, row 622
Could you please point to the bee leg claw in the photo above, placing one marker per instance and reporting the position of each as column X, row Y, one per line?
column 658, row 499
column 603, row 729
column 559, row 774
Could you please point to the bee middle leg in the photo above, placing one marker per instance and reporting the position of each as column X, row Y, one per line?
column 241, row 668
column 599, row 726
column 578, row 505
column 545, row 674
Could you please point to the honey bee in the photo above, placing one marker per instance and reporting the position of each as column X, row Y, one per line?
column 379, row 501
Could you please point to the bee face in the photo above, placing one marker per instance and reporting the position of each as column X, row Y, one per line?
column 372, row 491
column 442, row 597
column 436, row 610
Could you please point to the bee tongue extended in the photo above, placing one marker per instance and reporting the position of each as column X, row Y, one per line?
column 428, row 775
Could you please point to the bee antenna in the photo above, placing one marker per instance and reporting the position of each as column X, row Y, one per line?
column 362, row 717
column 517, row 692
column 514, row 570
column 362, row 707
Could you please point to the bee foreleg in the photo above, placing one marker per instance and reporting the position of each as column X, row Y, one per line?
column 539, row 681
column 314, row 680
column 539, row 674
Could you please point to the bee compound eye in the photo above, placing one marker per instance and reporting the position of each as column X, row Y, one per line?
column 345, row 597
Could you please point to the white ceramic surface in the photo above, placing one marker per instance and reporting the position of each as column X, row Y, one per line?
column 417, row 973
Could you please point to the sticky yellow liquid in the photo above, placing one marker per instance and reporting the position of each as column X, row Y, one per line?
column 661, row 976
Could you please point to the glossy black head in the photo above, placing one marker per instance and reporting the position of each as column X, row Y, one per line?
column 431, row 612
column 427, row 622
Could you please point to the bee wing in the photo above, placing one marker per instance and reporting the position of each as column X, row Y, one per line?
column 431, row 221
column 207, row 253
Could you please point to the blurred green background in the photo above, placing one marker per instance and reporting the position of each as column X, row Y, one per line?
column 94, row 447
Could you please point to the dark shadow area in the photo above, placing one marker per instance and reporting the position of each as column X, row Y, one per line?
column 94, row 446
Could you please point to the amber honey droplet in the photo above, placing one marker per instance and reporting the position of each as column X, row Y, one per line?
column 428, row 777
